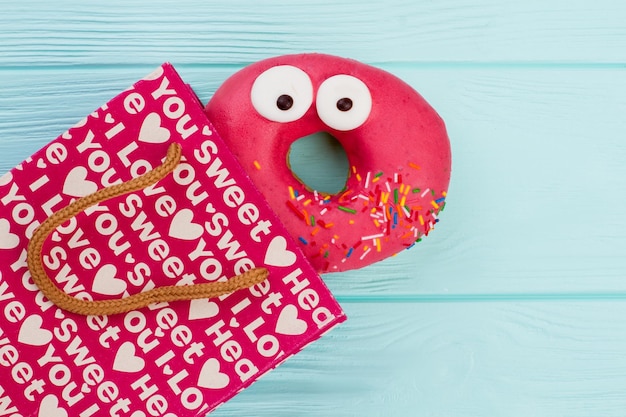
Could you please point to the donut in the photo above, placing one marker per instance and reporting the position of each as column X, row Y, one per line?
column 396, row 145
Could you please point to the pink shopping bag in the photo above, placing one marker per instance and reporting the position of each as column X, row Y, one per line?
column 204, row 222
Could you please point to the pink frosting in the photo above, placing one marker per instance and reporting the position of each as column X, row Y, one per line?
column 399, row 157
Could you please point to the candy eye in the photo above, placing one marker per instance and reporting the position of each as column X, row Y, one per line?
column 282, row 93
column 343, row 102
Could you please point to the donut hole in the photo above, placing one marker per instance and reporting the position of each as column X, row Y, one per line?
column 319, row 162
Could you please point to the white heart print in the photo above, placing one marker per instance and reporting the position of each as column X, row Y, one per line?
column 288, row 322
column 126, row 359
column 31, row 332
column 211, row 377
column 49, row 407
column 8, row 240
column 202, row 308
column 183, row 227
column 106, row 283
column 151, row 130
column 277, row 253
column 76, row 183
column 206, row 131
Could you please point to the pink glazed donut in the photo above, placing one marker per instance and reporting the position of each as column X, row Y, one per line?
column 396, row 145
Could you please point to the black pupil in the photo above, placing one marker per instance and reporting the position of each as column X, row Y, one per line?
column 344, row 104
column 284, row 102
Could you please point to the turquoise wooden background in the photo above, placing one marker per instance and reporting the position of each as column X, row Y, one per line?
column 516, row 305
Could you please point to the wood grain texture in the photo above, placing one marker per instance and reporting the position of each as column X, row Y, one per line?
column 454, row 360
column 515, row 305
column 68, row 33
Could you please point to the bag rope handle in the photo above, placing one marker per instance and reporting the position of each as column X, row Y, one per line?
column 135, row 301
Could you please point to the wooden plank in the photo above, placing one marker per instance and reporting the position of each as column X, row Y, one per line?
column 538, row 359
column 538, row 163
column 41, row 33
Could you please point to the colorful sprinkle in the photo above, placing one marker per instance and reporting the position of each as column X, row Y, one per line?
column 373, row 236
column 295, row 209
column 347, row 209
column 303, row 240
column 257, row 165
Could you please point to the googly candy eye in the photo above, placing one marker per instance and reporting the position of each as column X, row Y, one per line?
column 343, row 102
column 282, row 93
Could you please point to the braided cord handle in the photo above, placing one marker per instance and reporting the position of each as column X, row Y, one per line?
column 135, row 301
